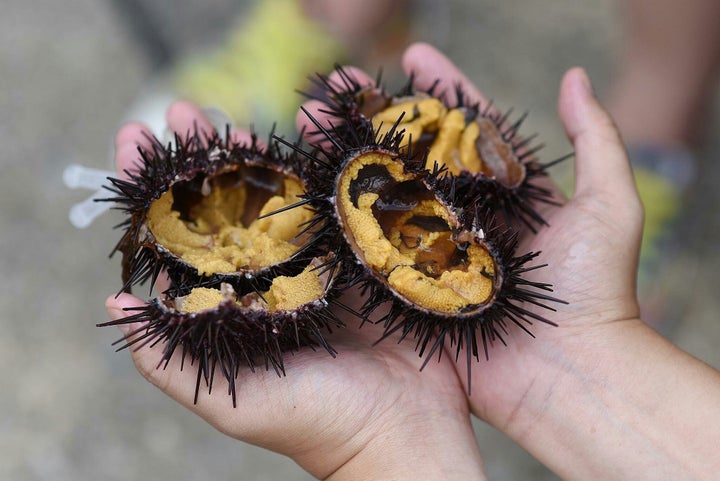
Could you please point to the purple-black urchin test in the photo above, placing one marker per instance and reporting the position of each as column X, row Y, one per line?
column 243, row 287
column 492, row 166
column 445, row 270
column 195, row 188
column 415, row 201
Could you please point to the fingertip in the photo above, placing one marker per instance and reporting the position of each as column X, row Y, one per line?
column 602, row 166
column 183, row 117
column 582, row 79
column 131, row 137
column 416, row 53
column 180, row 109
column 421, row 60
column 245, row 137
column 431, row 68
column 127, row 158
column 117, row 307
column 133, row 133
column 579, row 76
column 576, row 101
column 123, row 301
column 310, row 113
column 355, row 74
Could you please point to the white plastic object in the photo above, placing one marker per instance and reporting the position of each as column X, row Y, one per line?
column 84, row 213
column 76, row 176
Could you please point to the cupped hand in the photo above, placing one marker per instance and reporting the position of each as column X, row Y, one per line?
column 590, row 246
column 369, row 413
column 602, row 395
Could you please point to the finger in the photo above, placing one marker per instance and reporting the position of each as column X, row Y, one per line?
column 148, row 359
column 244, row 137
column 429, row 67
column 184, row 117
column 170, row 377
column 129, row 139
column 316, row 109
column 313, row 109
column 351, row 75
column 178, row 379
column 601, row 167
column 121, row 306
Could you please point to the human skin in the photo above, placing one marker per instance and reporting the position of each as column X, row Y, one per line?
column 368, row 414
column 601, row 396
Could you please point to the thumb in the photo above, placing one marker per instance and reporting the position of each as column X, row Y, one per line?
column 602, row 169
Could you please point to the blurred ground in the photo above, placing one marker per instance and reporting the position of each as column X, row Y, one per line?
column 71, row 408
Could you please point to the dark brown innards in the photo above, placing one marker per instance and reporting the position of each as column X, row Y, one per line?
column 457, row 138
column 212, row 223
column 410, row 240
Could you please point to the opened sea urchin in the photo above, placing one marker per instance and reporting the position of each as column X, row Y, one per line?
column 447, row 273
column 242, row 287
column 493, row 165
column 416, row 201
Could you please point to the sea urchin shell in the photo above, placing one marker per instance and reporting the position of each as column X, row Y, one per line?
column 493, row 165
column 244, row 287
column 447, row 272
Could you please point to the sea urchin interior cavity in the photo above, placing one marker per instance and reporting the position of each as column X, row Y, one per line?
column 410, row 240
column 212, row 222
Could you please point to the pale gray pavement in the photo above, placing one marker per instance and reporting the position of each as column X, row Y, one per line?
column 72, row 409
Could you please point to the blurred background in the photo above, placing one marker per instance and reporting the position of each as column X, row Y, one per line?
column 72, row 72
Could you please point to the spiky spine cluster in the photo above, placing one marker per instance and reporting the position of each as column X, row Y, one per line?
column 229, row 335
column 164, row 166
column 430, row 329
column 353, row 104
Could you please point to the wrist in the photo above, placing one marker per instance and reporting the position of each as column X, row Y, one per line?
column 621, row 403
column 428, row 444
